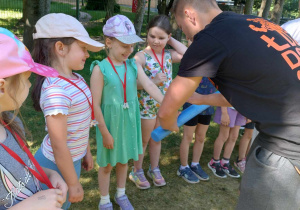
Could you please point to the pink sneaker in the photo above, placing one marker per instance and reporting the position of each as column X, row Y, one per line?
column 240, row 165
column 156, row 176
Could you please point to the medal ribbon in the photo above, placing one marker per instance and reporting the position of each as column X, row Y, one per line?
column 123, row 83
column 162, row 59
column 39, row 174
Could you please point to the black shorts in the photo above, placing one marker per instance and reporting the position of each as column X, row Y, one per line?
column 249, row 125
column 201, row 119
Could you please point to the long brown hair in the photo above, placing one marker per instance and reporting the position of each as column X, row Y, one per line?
column 44, row 53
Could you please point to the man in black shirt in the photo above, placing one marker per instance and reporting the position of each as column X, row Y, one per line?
column 255, row 65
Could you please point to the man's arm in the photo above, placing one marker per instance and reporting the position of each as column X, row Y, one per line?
column 211, row 99
column 177, row 94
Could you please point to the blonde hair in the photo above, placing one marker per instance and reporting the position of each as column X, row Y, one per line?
column 8, row 117
column 106, row 47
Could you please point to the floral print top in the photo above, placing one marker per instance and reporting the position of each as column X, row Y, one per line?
column 148, row 106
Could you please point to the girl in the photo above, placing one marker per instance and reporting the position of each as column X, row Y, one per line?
column 230, row 122
column 157, row 64
column 66, row 101
column 20, row 173
column 114, row 89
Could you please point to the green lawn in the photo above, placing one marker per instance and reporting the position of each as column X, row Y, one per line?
column 177, row 194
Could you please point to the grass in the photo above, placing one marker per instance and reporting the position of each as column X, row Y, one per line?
column 177, row 194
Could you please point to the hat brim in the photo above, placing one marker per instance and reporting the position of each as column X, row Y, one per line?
column 93, row 45
column 43, row 70
column 131, row 39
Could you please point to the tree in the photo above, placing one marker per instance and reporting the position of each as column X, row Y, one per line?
column 265, row 8
column 139, row 17
column 277, row 11
column 164, row 6
column 248, row 7
column 109, row 9
column 33, row 10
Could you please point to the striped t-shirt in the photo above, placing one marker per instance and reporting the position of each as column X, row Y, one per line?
column 60, row 97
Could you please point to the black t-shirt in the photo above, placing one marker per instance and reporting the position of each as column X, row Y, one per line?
column 255, row 65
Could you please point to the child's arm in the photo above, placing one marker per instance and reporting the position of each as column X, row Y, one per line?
column 97, row 84
column 87, row 161
column 148, row 85
column 225, row 120
column 159, row 77
column 57, row 129
column 178, row 50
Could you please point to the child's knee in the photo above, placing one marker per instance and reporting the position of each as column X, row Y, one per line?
column 107, row 169
column 199, row 138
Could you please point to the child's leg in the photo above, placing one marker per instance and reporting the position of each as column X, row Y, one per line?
column 104, row 179
column 199, row 142
column 147, row 127
column 120, row 197
column 221, row 139
column 188, row 132
column 233, row 135
column 244, row 143
column 154, row 149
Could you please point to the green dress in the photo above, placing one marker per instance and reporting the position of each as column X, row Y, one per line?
column 123, row 124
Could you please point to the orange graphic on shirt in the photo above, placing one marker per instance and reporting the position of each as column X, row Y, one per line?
column 290, row 51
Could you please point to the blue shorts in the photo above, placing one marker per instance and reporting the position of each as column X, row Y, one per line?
column 45, row 162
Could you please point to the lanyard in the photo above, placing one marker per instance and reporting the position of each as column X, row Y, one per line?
column 162, row 59
column 93, row 122
column 39, row 174
column 125, row 106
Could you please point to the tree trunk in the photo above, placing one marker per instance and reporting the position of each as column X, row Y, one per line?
column 248, row 7
column 277, row 11
column 109, row 9
column 139, row 17
column 265, row 8
column 177, row 33
column 162, row 6
column 33, row 10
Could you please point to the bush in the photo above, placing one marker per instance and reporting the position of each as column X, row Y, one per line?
column 100, row 5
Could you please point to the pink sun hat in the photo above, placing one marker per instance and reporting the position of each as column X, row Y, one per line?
column 121, row 28
column 15, row 58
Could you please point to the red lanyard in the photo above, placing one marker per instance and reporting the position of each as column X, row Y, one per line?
column 162, row 59
column 39, row 174
column 91, row 104
column 125, row 106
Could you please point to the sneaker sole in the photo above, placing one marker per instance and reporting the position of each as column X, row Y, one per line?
column 200, row 178
column 214, row 171
column 185, row 179
column 132, row 179
column 238, row 167
column 227, row 172
column 157, row 185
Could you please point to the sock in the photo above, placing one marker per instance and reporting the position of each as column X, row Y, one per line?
column 212, row 161
column 104, row 199
column 120, row 192
column 224, row 161
column 194, row 164
column 183, row 167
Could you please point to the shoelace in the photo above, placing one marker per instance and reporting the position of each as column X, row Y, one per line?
column 125, row 201
column 141, row 176
column 157, row 173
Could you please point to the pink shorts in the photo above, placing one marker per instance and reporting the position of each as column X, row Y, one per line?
column 236, row 119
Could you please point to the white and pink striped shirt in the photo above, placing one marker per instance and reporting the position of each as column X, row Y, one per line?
column 60, row 97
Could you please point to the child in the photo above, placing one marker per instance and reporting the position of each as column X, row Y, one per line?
column 157, row 64
column 114, row 89
column 62, row 43
column 21, row 175
column 244, row 145
column 199, row 124
column 230, row 122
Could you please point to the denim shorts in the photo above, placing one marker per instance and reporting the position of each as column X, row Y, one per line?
column 45, row 162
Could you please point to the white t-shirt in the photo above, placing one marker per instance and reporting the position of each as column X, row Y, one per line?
column 60, row 97
column 293, row 28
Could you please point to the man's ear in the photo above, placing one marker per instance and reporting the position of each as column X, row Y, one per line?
column 190, row 15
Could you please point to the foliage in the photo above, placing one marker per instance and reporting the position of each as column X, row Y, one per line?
column 100, row 5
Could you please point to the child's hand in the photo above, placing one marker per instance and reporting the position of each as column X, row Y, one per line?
column 58, row 183
column 248, row 120
column 225, row 120
column 159, row 78
column 75, row 193
column 50, row 199
column 108, row 141
column 88, row 162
